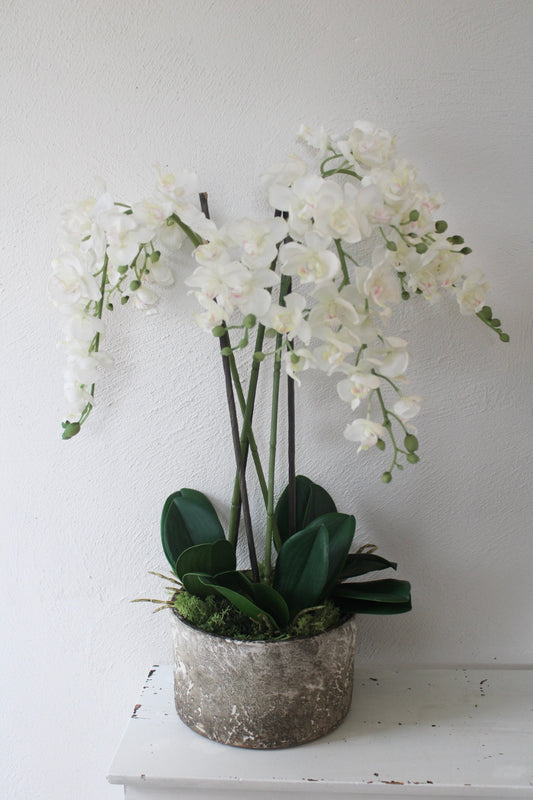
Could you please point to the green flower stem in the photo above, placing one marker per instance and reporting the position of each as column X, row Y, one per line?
column 195, row 239
column 225, row 345
column 344, row 171
column 329, row 158
column 241, row 468
column 344, row 267
column 247, row 439
column 391, row 383
column 291, row 442
column 285, row 282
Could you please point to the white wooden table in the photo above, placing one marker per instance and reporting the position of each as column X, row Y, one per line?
column 412, row 733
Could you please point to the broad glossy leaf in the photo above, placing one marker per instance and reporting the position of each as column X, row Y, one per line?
column 388, row 596
column 192, row 582
column 209, row 558
column 267, row 597
column 360, row 563
column 188, row 519
column 261, row 594
column 217, row 586
column 312, row 501
column 302, row 568
column 369, row 607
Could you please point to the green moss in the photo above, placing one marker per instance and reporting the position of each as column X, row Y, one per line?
column 216, row 615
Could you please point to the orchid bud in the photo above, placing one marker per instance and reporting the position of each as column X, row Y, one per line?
column 441, row 225
column 405, row 295
column 411, row 442
column 413, row 458
column 421, row 248
column 218, row 331
column 466, row 251
column 134, row 285
column 122, row 270
column 380, row 444
column 249, row 321
column 391, row 246
column 155, row 256
column 226, row 351
column 259, row 356
column 124, row 299
column 414, row 215
column 70, row 429
column 386, row 477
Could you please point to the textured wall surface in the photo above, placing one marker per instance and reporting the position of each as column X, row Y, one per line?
column 221, row 86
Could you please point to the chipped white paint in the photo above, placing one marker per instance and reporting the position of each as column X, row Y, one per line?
column 412, row 733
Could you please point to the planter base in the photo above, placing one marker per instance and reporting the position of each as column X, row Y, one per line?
column 263, row 695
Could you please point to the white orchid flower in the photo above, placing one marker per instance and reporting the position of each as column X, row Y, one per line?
column 71, row 284
column 383, row 286
column 299, row 201
column 391, row 358
column 312, row 262
column 214, row 314
column 471, row 295
column 76, row 397
column 367, row 144
column 152, row 214
column 330, row 356
column 357, row 386
column 289, row 319
column 257, row 239
column 218, row 278
column 284, row 173
column 333, row 309
column 249, row 292
column 297, row 361
column 408, row 407
column 124, row 236
column 176, row 187
column 364, row 431
column 317, row 138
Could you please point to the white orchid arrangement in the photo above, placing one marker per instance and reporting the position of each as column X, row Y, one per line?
column 354, row 234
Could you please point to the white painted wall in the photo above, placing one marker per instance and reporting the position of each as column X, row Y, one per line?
column 95, row 88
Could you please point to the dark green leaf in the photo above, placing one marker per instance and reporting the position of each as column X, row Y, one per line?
column 389, row 590
column 311, row 502
column 209, row 558
column 217, row 586
column 379, row 609
column 192, row 582
column 360, row 563
column 188, row 519
column 270, row 600
column 302, row 568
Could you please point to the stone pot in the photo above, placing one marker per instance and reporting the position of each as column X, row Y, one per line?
column 262, row 695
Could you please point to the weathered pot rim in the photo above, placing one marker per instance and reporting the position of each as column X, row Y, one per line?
column 290, row 640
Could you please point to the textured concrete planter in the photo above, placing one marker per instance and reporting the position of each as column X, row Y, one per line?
column 263, row 695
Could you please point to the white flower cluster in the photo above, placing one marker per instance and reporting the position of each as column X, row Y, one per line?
column 112, row 252
column 348, row 240
column 333, row 315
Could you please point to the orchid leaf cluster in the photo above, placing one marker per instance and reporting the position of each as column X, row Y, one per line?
column 354, row 234
column 314, row 564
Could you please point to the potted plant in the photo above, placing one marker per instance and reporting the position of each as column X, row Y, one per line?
column 312, row 287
